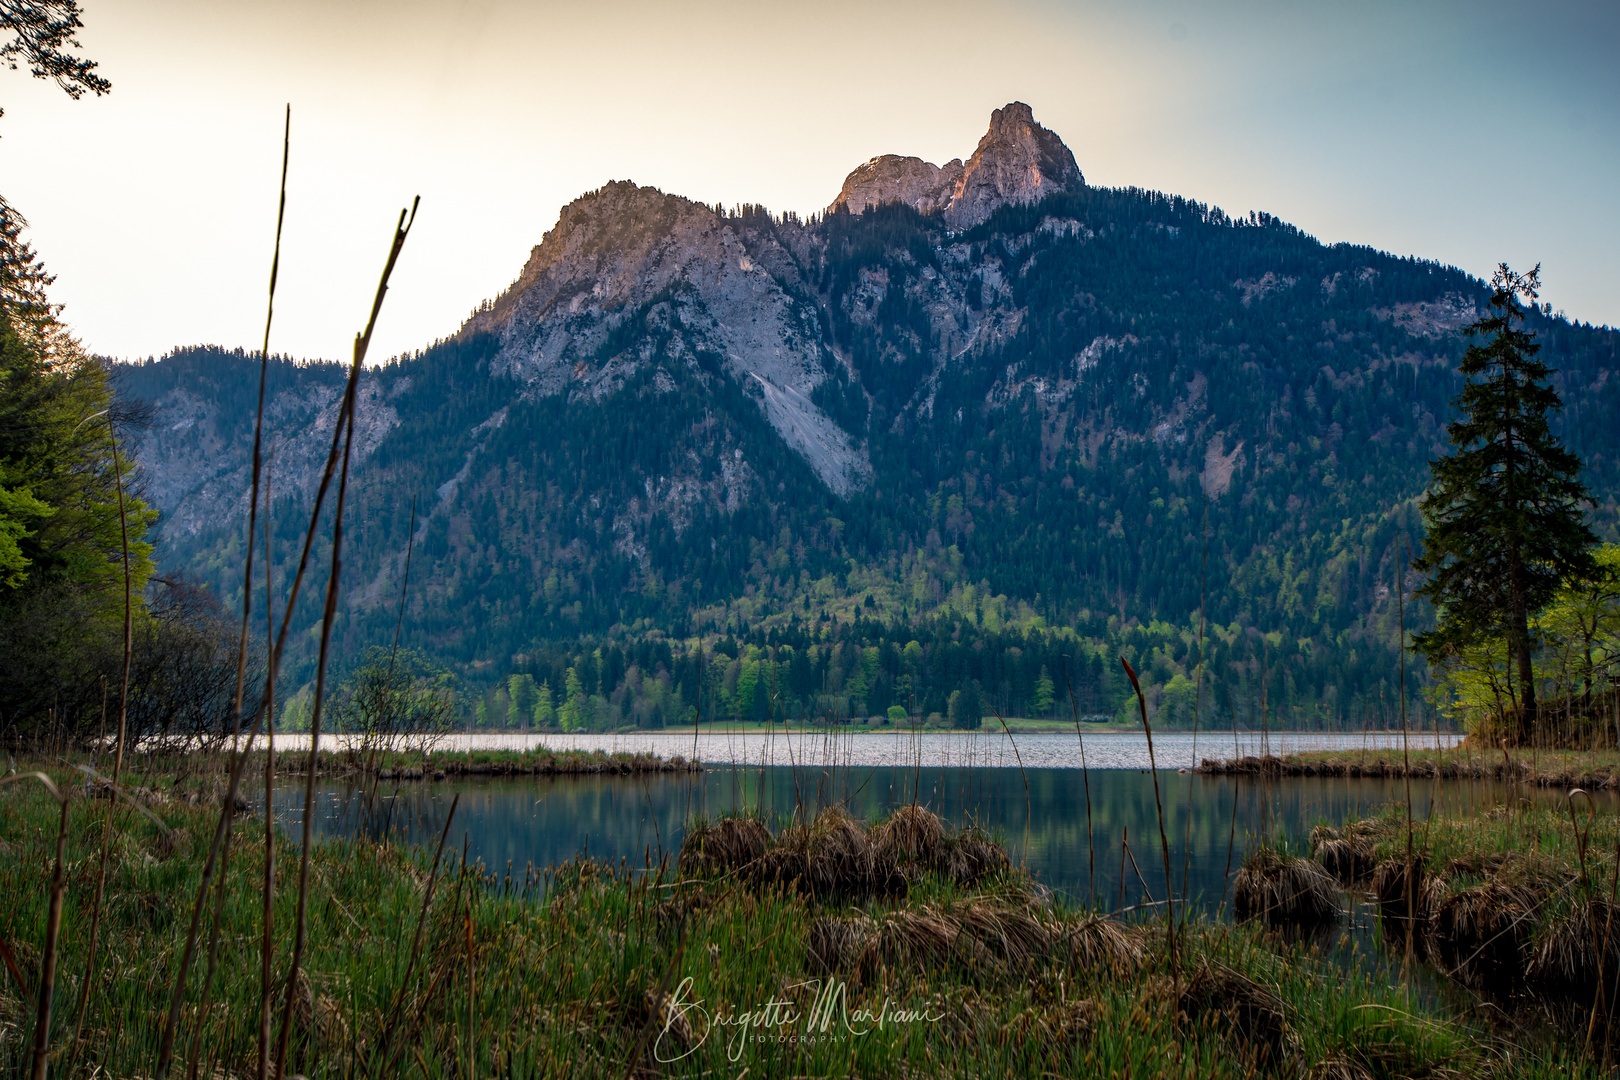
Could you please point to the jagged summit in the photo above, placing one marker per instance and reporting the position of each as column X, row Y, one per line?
column 1017, row 161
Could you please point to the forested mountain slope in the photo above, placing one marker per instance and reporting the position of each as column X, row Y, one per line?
column 1013, row 441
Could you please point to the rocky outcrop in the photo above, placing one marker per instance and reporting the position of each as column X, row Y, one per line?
column 1018, row 161
column 627, row 252
column 197, row 467
column 922, row 185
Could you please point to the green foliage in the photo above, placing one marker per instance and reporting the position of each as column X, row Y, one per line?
column 965, row 710
column 1579, row 633
column 1041, row 701
column 18, row 509
column 61, row 537
column 394, row 701
column 1505, row 513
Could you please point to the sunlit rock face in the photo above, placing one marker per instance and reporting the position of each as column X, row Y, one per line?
column 703, row 284
column 920, row 184
column 1018, row 161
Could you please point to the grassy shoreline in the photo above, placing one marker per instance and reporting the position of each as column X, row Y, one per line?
column 919, row 947
column 1590, row 769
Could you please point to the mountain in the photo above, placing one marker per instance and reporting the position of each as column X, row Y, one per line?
column 1025, row 423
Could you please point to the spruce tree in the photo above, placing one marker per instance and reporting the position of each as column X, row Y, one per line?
column 1504, row 514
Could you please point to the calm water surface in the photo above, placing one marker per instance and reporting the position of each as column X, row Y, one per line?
column 1111, row 854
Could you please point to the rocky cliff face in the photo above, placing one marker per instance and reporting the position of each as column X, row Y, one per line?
column 627, row 253
column 1018, row 161
column 921, row 185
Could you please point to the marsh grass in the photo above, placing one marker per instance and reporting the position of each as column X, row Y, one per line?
column 1517, row 904
column 512, row 981
column 1596, row 770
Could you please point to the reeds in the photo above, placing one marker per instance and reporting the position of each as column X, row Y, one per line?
column 1158, row 803
column 406, row 981
column 53, row 929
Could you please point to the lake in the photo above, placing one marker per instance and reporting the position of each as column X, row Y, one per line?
column 1112, row 856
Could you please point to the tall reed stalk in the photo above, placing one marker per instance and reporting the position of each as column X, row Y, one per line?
column 1085, row 777
column 268, row 892
column 1406, row 753
column 345, row 423
column 177, row 991
column 1198, row 696
column 1158, row 802
column 247, row 605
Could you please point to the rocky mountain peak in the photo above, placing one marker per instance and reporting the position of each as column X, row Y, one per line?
column 1017, row 161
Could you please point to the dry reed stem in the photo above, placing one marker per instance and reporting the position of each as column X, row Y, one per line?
column 345, row 422
column 267, row 900
column 1158, row 802
column 166, row 1049
column 1085, row 778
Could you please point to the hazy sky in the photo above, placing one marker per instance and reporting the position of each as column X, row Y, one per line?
column 1471, row 132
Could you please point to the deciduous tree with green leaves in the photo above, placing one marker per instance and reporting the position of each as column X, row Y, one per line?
column 1505, row 516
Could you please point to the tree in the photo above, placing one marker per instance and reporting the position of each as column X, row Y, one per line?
column 965, row 710
column 522, row 691
column 61, row 539
column 42, row 32
column 1045, row 694
column 395, row 701
column 543, row 712
column 1504, row 515
column 571, row 714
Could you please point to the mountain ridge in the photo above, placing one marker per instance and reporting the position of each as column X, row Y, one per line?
column 683, row 421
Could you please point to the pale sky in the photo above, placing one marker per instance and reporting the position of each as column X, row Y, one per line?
column 1466, row 131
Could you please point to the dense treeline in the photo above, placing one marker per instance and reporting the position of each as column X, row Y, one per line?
column 868, row 670
column 72, row 525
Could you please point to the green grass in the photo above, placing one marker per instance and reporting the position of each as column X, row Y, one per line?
column 568, row 984
column 1539, row 767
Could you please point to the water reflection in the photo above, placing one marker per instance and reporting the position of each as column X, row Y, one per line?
column 1111, row 855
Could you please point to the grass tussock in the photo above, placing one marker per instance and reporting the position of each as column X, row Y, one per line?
column 1514, row 903
column 1347, row 855
column 1281, row 889
column 835, row 855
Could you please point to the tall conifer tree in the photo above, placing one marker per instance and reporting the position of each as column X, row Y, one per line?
column 1504, row 510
